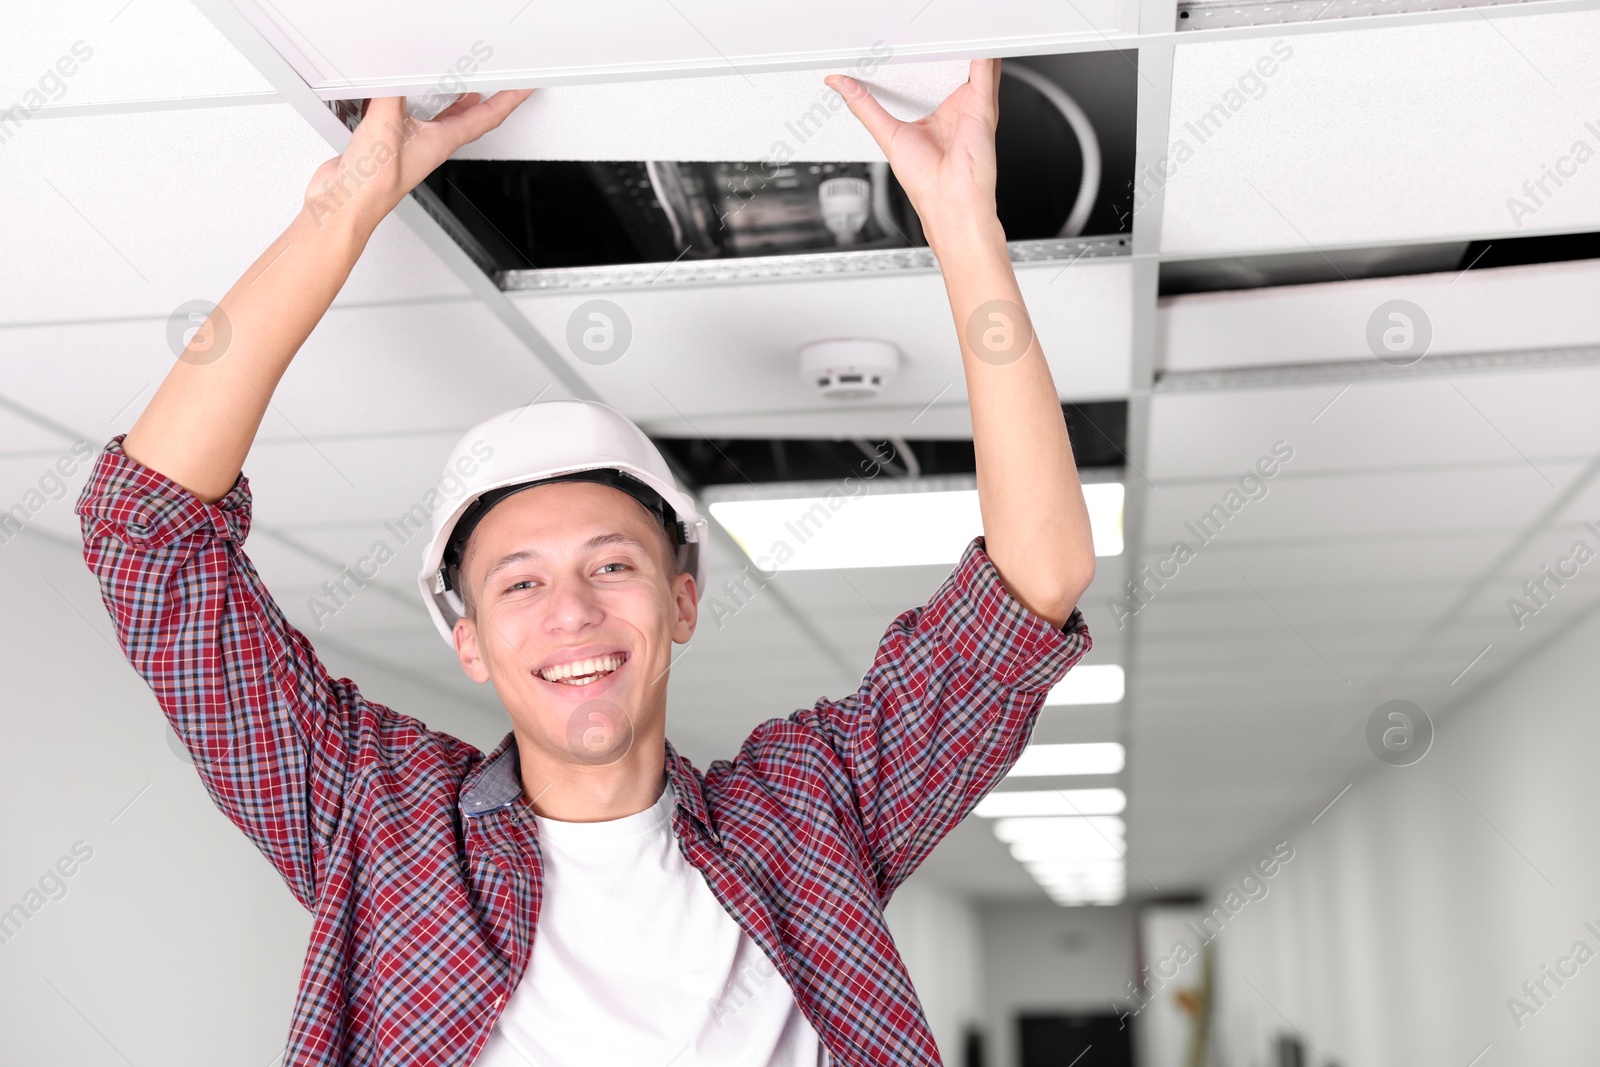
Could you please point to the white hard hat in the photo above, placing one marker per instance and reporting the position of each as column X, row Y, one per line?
column 540, row 442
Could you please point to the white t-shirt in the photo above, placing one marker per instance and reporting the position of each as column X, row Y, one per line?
column 636, row 963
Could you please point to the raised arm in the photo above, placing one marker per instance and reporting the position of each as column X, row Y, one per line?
column 955, row 687
column 275, row 738
column 199, row 426
column 1035, row 523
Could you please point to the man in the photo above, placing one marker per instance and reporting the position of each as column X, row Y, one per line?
column 582, row 894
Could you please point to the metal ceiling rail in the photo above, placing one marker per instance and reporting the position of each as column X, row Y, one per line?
column 785, row 268
column 1289, row 375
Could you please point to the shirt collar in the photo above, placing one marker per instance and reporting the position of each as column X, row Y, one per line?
column 498, row 783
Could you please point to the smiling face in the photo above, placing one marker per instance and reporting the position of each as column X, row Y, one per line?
column 575, row 615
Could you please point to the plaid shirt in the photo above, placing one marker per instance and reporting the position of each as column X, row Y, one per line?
column 417, row 854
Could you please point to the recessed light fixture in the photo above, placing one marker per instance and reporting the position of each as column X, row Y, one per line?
column 1096, row 757
column 1074, row 859
column 1095, row 683
column 1052, row 802
column 899, row 524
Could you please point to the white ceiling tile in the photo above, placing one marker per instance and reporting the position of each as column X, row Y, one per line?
column 369, row 44
column 18, row 434
column 434, row 367
column 725, row 359
column 1503, row 417
column 1328, row 564
column 1380, row 135
column 1540, row 305
column 150, row 50
column 374, row 480
column 1378, row 502
column 199, row 195
column 399, row 369
column 777, row 117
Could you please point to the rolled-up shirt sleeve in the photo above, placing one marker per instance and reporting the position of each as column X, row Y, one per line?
column 944, row 711
column 273, row 736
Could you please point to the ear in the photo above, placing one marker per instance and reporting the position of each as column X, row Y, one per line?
column 465, row 636
column 688, row 608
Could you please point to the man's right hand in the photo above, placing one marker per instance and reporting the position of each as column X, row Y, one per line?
column 199, row 426
column 390, row 153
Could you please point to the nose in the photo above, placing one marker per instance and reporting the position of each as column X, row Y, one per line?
column 572, row 606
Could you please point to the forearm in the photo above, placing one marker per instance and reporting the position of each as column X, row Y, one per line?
column 199, row 426
column 1035, row 523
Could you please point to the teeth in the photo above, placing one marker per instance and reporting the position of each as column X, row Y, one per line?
column 574, row 673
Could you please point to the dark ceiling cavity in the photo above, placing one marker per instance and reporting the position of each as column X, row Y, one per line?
column 526, row 214
column 1098, row 430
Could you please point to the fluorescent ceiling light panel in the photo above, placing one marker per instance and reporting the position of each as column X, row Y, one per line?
column 1015, row 830
column 1084, row 894
column 1102, row 872
column 1075, row 860
column 1096, row 849
column 1097, row 683
column 1097, row 757
column 1074, row 839
column 1052, row 802
column 883, row 529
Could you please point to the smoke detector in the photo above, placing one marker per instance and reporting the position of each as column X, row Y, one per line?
column 849, row 368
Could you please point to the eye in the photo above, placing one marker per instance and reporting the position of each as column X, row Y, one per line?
column 603, row 566
column 515, row 586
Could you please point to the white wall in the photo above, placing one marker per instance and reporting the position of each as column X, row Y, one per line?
column 1046, row 958
column 175, row 942
column 1428, row 894
column 937, row 934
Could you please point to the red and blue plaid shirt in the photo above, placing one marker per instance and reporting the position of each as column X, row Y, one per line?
column 417, row 854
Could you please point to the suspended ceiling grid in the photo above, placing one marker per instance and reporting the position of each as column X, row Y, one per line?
column 1378, row 566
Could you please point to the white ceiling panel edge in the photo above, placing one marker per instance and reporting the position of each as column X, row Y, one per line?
column 779, row 117
column 1448, row 313
column 367, row 47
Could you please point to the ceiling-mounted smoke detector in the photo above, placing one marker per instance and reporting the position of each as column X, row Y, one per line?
column 849, row 368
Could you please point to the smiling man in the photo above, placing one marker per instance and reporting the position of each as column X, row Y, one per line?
column 582, row 894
